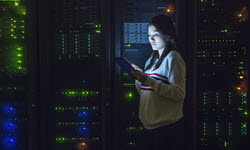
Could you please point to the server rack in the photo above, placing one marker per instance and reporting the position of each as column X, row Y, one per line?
column 222, row 66
column 74, row 72
column 48, row 95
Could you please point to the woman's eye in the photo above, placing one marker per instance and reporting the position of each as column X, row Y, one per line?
column 153, row 35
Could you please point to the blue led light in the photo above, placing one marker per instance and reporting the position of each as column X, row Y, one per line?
column 82, row 114
column 9, row 126
column 9, row 142
column 83, row 130
column 9, row 110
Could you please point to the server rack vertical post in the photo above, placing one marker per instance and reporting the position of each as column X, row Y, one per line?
column 33, row 76
column 45, row 63
column 186, row 32
column 107, row 82
column 117, row 28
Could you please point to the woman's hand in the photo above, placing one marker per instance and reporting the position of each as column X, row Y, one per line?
column 136, row 67
column 139, row 75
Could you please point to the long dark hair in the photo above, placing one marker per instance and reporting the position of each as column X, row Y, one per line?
column 164, row 25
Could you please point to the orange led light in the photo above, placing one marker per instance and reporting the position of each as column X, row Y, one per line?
column 83, row 144
column 241, row 77
column 242, row 14
column 238, row 88
column 169, row 9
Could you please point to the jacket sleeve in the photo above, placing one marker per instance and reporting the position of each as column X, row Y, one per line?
column 138, row 86
column 176, row 89
column 138, row 83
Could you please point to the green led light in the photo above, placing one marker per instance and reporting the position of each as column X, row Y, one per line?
column 245, row 113
column 128, row 84
column 130, row 95
column 78, row 93
column 19, row 55
column 98, row 31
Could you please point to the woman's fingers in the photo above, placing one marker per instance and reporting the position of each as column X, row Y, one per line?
column 133, row 65
column 136, row 73
column 136, row 67
column 140, row 76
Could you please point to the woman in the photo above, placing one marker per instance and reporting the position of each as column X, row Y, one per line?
column 162, row 89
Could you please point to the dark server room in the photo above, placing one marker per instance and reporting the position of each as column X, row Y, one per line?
column 124, row 75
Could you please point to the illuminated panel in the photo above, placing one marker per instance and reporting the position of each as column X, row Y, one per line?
column 13, row 119
column 75, row 112
column 13, row 71
column 77, row 119
column 222, row 67
column 12, row 34
column 79, row 33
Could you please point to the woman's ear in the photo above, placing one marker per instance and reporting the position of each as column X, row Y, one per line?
column 168, row 38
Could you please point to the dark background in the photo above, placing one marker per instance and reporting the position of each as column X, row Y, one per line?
column 59, row 85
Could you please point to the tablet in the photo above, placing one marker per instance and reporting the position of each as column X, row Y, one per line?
column 125, row 65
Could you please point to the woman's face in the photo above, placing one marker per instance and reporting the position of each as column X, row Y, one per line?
column 155, row 38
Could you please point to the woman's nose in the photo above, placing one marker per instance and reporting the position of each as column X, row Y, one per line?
column 152, row 38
